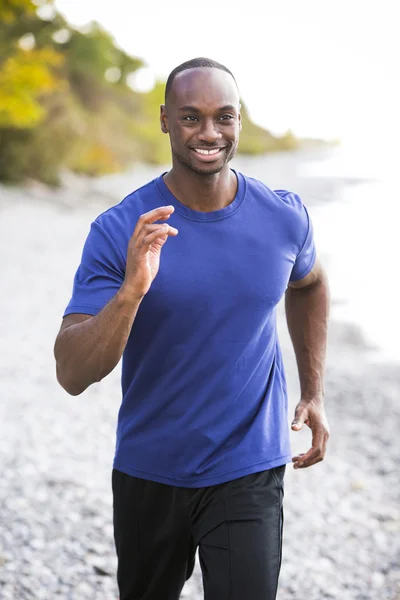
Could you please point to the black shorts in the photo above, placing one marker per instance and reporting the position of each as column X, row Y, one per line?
column 237, row 527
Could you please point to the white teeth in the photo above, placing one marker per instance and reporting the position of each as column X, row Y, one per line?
column 201, row 151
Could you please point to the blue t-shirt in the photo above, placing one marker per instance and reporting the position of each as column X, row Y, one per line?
column 204, row 392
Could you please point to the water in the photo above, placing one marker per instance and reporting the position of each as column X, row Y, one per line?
column 359, row 234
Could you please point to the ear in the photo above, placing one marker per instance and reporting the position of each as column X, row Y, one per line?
column 164, row 119
column 240, row 122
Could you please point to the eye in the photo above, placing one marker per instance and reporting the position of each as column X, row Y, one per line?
column 227, row 117
column 190, row 119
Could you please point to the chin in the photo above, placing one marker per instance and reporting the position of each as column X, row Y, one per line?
column 210, row 170
column 204, row 168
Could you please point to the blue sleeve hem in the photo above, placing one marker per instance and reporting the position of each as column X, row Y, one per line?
column 307, row 270
column 81, row 309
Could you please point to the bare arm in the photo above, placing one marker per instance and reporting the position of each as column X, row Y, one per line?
column 307, row 309
column 87, row 347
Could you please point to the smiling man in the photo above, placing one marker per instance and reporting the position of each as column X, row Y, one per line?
column 203, row 436
column 191, row 97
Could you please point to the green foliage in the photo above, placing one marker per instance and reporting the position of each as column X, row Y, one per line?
column 94, row 52
column 40, row 152
column 155, row 147
column 65, row 102
column 255, row 140
column 25, row 77
column 11, row 10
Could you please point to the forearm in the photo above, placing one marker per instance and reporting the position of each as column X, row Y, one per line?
column 87, row 352
column 307, row 311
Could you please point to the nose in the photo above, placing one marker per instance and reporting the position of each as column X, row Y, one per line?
column 209, row 132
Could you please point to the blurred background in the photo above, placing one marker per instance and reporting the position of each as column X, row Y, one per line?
column 81, row 83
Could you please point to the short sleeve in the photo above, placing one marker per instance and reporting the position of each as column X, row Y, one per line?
column 99, row 275
column 306, row 258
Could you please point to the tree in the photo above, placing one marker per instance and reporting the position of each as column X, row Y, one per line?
column 24, row 78
column 26, row 73
column 12, row 10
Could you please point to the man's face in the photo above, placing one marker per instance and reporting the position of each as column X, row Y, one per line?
column 202, row 118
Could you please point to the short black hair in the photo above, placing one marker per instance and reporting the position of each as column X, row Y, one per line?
column 193, row 64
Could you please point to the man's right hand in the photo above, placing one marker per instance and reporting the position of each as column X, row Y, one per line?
column 143, row 258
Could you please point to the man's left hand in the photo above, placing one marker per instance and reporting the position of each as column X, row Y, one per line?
column 312, row 413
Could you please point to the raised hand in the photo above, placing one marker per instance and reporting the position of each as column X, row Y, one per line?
column 144, row 249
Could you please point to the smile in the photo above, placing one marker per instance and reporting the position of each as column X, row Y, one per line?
column 207, row 152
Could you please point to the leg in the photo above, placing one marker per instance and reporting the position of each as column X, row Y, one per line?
column 152, row 538
column 241, row 557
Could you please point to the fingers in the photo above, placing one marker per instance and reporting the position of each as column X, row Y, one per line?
column 312, row 457
column 145, row 236
column 317, row 451
column 146, row 225
column 157, row 214
column 157, row 232
column 313, row 414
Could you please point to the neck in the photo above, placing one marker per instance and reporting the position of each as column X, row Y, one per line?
column 204, row 193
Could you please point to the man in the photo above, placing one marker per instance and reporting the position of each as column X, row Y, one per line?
column 202, row 438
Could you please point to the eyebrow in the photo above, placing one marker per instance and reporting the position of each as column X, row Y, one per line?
column 194, row 109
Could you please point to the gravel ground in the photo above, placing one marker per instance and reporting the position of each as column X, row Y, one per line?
column 342, row 517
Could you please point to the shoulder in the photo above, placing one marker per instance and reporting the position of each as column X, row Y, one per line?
column 123, row 216
column 289, row 202
column 290, row 199
column 112, row 229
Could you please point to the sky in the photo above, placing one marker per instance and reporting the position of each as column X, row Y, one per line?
column 320, row 68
